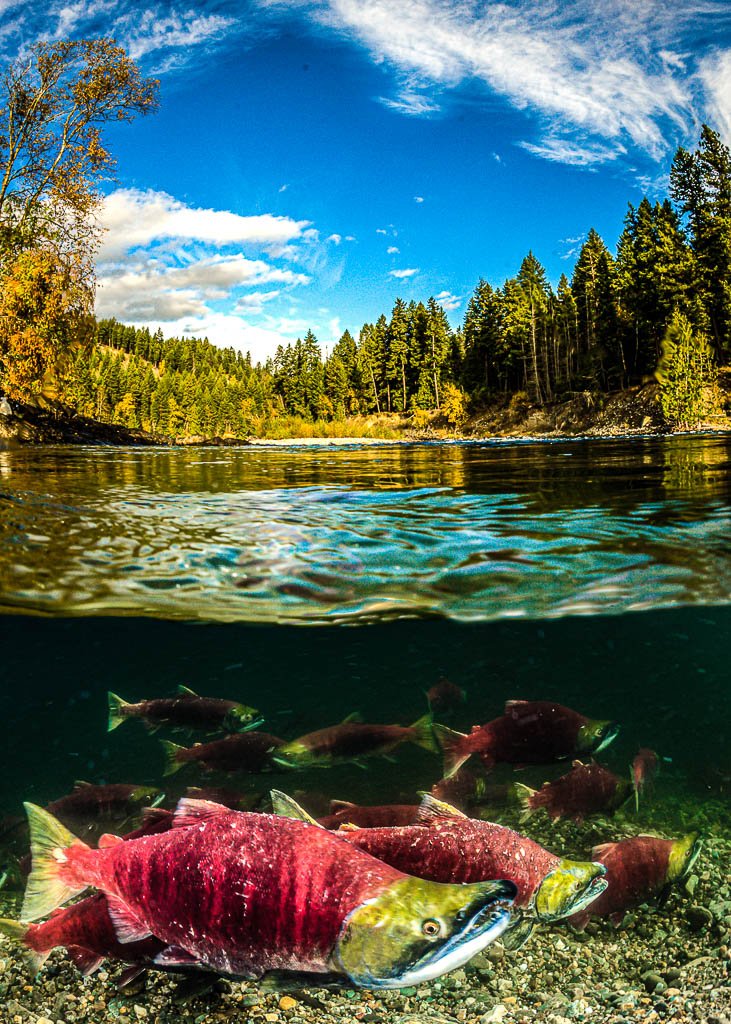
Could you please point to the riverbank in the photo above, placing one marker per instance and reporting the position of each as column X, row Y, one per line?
column 585, row 414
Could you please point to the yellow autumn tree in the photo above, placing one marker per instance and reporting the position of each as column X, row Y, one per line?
column 54, row 104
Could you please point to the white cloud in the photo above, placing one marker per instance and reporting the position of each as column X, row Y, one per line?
column 392, row 250
column 381, row 231
column 600, row 76
column 334, row 238
column 448, row 301
column 136, row 218
column 407, row 272
column 192, row 270
column 418, row 199
column 715, row 74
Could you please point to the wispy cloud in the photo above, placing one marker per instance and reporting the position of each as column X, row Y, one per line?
column 407, row 272
column 392, row 250
column 715, row 74
column 597, row 76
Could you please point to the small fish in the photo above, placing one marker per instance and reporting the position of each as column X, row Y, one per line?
column 445, row 696
column 466, row 790
column 245, row 752
column 96, row 809
column 230, row 798
column 344, row 813
column 528, row 732
column 246, row 894
column 86, row 931
column 185, row 711
column 644, row 769
column 446, row 846
column 586, row 789
column 351, row 741
column 637, row 869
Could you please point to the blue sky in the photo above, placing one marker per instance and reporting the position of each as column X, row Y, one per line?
column 314, row 159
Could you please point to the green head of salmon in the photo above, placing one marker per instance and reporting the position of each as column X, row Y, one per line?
column 568, row 888
column 595, row 735
column 683, row 855
column 417, row 930
column 241, row 718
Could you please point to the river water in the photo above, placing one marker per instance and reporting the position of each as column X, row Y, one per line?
column 314, row 582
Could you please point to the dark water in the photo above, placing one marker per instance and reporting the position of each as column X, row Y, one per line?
column 154, row 568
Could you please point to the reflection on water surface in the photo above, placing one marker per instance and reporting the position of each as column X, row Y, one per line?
column 468, row 531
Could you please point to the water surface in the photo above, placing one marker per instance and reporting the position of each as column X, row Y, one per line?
column 468, row 531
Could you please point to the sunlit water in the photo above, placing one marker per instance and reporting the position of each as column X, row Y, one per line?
column 472, row 532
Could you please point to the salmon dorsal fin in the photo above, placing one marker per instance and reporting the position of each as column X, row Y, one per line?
column 354, row 716
column 348, row 826
column 185, row 691
column 432, row 810
column 602, row 850
column 515, row 708
column 285, row 807
column 107, row 841
column 341, row 805
column 81, row 784
column 579, row 764
column 195, row 812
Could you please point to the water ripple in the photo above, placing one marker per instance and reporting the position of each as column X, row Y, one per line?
column 467, row 532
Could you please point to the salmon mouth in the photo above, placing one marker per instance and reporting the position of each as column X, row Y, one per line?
column 473, row 933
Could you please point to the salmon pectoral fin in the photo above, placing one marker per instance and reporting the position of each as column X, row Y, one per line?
column 294, row 981
column 127, row 977
column 127, row 925
column 175, row 956
column 86, row 961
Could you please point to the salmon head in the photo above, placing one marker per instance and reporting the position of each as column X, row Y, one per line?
column 683, row 855
column 416, row 930
column 241, row 718
column 571, row 886
column 146, row 796
column 595, row 734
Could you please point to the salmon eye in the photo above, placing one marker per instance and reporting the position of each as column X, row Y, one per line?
column 431, row 928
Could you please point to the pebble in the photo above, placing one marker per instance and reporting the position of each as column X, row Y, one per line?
column 287, row 1003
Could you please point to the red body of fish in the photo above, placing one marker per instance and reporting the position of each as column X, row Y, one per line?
column 445, row 696
column 241, row 893
column 351, row 740
column 187, row 711
column 88, row 802
column 586, row 789
column 644, row 768
column 636, row 868
column 528, row 732
column 344, row 813
column 86, row 931
column 461, row 850
column 243, row 752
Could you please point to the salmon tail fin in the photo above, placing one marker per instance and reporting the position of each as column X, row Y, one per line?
column 48, row 883
column 525, row 797
column 17, row 931
column 453, row 749
column 173, row 762
column 423, row 733
column 285, row 807
column 116, row 714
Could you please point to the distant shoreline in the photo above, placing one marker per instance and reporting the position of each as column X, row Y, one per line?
column 635, row 412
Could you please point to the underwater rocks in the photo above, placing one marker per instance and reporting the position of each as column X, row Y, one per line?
column 654, row 968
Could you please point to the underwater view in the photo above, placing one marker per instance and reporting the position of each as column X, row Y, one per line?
column 392, row 733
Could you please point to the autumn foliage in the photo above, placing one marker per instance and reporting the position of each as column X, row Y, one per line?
column 53, row 158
